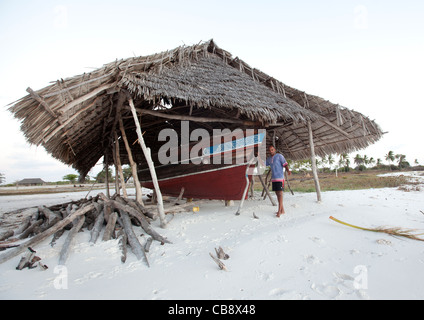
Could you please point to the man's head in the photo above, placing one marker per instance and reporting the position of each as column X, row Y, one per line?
column 272, row 150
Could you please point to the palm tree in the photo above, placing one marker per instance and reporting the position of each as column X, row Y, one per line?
column 347, row 164
column 358, row 159
column 390, row 157
column 344, row 161
column 402, row 162
column 330, row 160
column 371, row 161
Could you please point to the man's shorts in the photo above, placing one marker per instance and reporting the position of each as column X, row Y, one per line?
column 278, row 186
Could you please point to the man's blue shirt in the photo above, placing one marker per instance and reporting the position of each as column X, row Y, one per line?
column 277, row 164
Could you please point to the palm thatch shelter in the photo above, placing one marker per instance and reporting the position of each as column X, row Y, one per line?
column 79, row 120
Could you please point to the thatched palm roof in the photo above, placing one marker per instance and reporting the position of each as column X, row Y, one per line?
column 74, row 119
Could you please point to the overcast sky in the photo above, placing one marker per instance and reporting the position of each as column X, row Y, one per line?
column 364, row 55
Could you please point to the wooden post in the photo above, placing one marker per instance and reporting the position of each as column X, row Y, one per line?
column 138, row 192
column 314, row 164
column 266, row 190
column 253, row 160
column 117, row 189
column 252, row 187
column 106, row 168
column 119, row 166
column 149, row 160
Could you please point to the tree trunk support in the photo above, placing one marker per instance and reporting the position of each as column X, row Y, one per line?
column 148, row 157
column 314, row 164
column 138, row 192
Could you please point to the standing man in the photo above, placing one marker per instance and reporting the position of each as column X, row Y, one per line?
column 278, row 164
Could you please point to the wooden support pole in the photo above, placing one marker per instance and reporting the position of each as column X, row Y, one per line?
column 314, row 164
column 197, row 119
column 36, row 97
column 252, row 161
column 138, row 192
column 266, row 190
column 119, row 166
column 149, row 160
column 106, row 169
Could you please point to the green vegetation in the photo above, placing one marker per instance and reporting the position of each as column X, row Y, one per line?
column 345, row 181
column 335, row 172
column 353, row 180
column 71, row 177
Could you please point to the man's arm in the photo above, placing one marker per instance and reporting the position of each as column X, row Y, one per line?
column 286, row 165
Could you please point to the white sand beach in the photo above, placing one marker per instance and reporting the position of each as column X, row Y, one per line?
column 302, row 255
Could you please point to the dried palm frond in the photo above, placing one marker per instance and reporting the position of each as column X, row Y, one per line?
column 393, row 231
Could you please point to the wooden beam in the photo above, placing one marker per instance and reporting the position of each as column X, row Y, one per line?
column 37, row 97
column 336, row 127
column 68, row 121
column 195, row 119
column 119, row 166
column 148, row 156
column 138, row 190
column 89, row 95
column 251, row 162
column 313, row 160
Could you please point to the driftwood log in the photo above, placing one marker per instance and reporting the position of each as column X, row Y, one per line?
column 122, row 236
column 114, row 218
column 95, row 232
column 64, row 253
column 136, row 247
column 136, row 214
column 42, row 236
column 110, row 227
column 220, row 264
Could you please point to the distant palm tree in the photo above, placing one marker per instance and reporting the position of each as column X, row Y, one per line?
column 344, row 161
column 358, row 159
column 402, row 162
column 390, row 157
column 366, row 159
column 347, row 164
column 330, row 160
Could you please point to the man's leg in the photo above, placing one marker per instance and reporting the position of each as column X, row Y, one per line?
column 280, row 203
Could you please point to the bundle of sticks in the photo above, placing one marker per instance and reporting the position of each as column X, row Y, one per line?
column 115, row 217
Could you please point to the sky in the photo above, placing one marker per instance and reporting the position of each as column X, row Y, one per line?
column 364, row 55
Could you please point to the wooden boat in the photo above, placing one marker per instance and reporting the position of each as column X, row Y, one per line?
column 218, row 171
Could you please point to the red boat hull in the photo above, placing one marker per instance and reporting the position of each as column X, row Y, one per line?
column 226, row 183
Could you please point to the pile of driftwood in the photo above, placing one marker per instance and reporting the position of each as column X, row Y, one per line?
column 116, row 216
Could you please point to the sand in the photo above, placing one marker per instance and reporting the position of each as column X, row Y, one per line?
column 302, row 255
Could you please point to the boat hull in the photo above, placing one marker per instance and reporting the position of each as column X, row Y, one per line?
column 226, row 183
column 202, row 177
